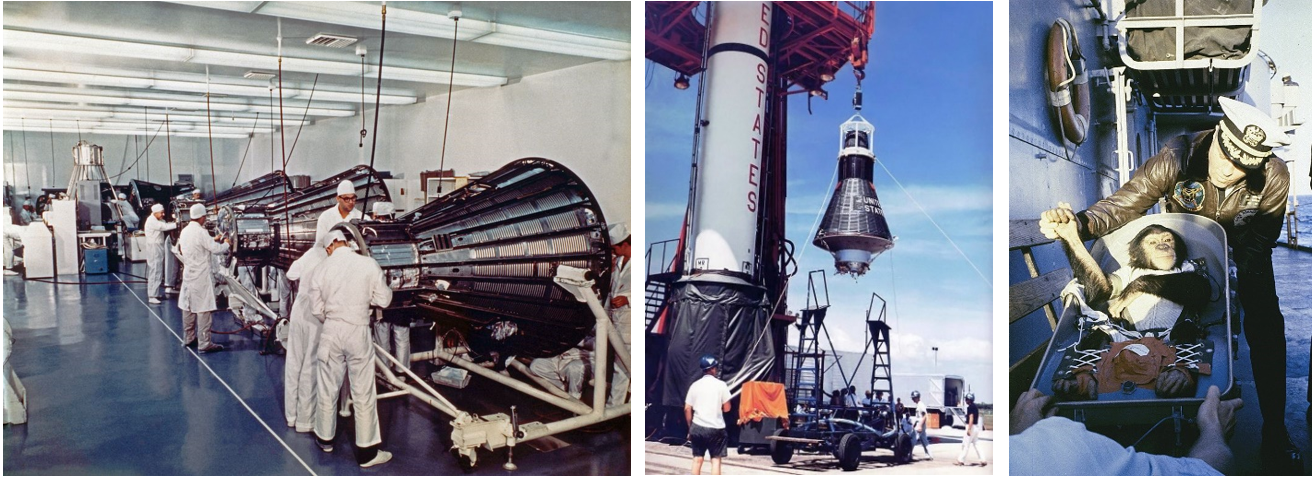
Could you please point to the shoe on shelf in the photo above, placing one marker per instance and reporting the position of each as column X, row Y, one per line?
column 380, row 458
column 153, row 301
column 212, row 349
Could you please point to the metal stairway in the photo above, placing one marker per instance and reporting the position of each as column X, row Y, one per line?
column 806, row 376
column 879, row 338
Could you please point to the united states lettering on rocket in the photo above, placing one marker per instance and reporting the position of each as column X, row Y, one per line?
column 854, row 228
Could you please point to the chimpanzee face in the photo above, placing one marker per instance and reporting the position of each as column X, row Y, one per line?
column 1158, row 248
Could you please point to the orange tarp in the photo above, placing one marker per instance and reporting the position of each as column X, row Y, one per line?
column 759, row 400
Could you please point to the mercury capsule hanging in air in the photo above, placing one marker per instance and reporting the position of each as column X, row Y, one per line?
column 854, row 229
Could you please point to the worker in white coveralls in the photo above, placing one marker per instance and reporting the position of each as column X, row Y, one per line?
column 341, row 291
column 392, row 334
column 299, row 366
column 342, row 212
column 619, row 307
column 124, row 211
column 155, row 251
column 196, row 297
column 567, row 370
column 15, row 411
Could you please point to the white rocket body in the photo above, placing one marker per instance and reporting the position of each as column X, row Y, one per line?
column 729, row 168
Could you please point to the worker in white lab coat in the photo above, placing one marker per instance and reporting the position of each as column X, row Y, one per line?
column 196, row 298
column 619, row 306
column 154, row 242
column 342, row 212
column 341, row 291
column 299, row 368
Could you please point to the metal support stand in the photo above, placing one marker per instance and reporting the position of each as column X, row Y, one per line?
column 471, row 431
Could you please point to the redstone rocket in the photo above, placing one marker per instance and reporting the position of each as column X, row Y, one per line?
column 727, row 177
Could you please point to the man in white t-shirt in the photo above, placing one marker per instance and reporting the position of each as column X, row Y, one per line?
column 920, row 422
column 705, row 402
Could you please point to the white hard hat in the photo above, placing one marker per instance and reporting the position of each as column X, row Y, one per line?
column 346, row 188
column 123, row 197
column 618, row 232
column 338, row 236
column 197, row 211
column 1247, row 134
column 381, row 208
column 157, row 208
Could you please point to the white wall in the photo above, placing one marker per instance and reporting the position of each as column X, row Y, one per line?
column 190, row 155
column 578, row 116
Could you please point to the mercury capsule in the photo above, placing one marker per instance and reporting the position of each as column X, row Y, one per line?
column 854, row 229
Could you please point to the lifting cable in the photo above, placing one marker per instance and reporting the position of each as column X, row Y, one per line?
column 303, row 123
column 452, row 66
column 214, row 190
column 272, row 125
column 283, row 148
column 250, row 138
column 146, row 126
column 13, row 170
column 361, row 142
column 169, row 153
column 27, row 171
column 379, row 83
column 52, row 150
column 123, row 169
column 934, row 223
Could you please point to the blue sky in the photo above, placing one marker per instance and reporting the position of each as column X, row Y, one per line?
column 928, row 93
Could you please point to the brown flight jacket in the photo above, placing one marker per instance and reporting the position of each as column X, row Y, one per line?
column 1251, row 211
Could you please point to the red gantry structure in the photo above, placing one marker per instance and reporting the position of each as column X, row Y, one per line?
column 723, row 291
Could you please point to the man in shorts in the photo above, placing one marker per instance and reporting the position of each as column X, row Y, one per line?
column 705, row 402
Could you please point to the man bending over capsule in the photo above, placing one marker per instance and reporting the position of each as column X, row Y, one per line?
column 1151, row 294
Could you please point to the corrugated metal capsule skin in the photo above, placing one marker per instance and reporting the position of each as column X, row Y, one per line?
column 494, row 246
column 479, row 260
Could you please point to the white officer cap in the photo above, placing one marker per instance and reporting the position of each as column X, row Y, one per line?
column 157, row 208
column 123, row 197
column 618, row 232
column 1247, row 134
column 197, row 211
column 381, row 208
column 338, row 236
column 346, row 188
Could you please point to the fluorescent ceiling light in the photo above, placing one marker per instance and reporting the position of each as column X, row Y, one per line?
column 366, row 15
column 288, row 84
column 128, row 126
column 195, row 105
column 127, row 49
column 144, row 81
column 106, row 131
column 556, row 42
column 136, row 115
column 215, row 98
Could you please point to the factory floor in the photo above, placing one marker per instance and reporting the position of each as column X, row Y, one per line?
column 111, row 391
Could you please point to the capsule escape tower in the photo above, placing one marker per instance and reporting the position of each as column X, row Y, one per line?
column 719, row 288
